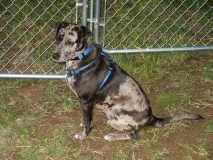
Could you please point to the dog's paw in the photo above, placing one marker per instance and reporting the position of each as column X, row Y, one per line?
column 117, row 136
column 108, row 137
column 80, row 136
column 81, row 125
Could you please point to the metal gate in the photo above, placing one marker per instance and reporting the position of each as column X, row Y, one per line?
column 122, row 26
column 158, row 24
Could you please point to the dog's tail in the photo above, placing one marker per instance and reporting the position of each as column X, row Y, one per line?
column 158, row 122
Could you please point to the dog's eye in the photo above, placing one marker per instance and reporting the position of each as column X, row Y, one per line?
column 60, row 37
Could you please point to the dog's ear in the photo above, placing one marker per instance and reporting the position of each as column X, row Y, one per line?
column 60, row 25
column 85, row 31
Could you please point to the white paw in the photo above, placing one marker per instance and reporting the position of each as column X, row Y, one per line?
column 108, row 137
column 80, row 136
column 117, row 136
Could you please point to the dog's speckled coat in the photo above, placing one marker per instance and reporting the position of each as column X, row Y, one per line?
column 124, row 102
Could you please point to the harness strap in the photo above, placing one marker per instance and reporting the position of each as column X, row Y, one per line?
column 77, row 71
column 85, row 53
column 106, row 78
column 109, row 72
column 81, row 69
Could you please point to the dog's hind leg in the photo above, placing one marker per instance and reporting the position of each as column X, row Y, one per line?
column 121, row 136
column 126, row 131
column 117, row 136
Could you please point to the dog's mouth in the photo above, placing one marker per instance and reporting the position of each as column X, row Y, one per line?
column 58, row 61
column 75, row 58
column 72, row 57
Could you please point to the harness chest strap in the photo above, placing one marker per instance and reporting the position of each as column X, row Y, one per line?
column 81, row 69
column 85, row 53
column 78, row 71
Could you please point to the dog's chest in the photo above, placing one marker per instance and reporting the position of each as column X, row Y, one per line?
column 71, row 81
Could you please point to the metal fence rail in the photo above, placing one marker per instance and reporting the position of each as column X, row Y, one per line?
column 27, row 29
column 32, row 76
column 158, row 50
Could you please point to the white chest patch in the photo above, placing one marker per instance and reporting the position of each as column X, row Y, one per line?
column 70, row 82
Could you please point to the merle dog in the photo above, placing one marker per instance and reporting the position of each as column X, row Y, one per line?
column 98, row 81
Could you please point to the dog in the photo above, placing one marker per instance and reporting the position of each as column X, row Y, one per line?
column 97, row 80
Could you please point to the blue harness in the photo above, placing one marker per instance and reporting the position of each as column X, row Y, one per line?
column 85, row 67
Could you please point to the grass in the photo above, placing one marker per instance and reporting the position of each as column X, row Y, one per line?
column 168, row 99
column 187, row 158
column 38, row 118
column 159, row 155
column 197, row 150
column 210, row 127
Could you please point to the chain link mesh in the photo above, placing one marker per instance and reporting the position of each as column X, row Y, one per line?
column 158, row 23
column 27, row 33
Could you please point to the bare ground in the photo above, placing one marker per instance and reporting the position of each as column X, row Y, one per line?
column 53, row 121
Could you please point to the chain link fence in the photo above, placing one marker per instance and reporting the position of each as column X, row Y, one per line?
column 158, row 23
column 27, row 34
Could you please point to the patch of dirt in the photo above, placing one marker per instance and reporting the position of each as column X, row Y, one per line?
column 200, row 58
column 172, row 144
column 174, row 141
column 52, row 120
column 175, row 145
column 30, row 97
column 33, row 92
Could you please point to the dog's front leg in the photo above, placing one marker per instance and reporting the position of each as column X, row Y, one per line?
column 87, row 110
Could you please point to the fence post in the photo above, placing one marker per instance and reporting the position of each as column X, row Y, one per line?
column 84, row 12
column 97, row 20
column 91, row 15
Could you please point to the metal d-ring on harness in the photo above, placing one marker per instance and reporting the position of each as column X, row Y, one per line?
column 83, row 68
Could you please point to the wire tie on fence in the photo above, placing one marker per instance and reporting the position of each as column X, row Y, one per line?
column 92, row 20
column 79, row 4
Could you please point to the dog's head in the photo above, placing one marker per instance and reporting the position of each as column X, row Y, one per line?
column 69, row 40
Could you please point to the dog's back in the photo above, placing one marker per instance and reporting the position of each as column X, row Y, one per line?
column 96, row 78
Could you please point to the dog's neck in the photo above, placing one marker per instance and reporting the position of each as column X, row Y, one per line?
column 74, row 63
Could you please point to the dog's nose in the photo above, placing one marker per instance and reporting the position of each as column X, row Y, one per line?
column 56, row 55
